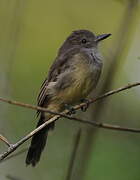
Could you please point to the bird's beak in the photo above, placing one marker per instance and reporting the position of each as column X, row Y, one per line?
column 102, row 37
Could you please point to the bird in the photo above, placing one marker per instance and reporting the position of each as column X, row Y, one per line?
column 74, row 73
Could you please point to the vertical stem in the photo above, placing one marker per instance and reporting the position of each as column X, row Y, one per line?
column 9, row 43
column 73, row 156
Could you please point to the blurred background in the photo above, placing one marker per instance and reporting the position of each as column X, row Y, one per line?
column 31, row 32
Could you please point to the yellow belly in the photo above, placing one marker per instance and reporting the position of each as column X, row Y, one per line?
column 81, row 86
column 84, row 77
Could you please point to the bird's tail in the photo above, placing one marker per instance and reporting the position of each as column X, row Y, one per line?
column 38, row 143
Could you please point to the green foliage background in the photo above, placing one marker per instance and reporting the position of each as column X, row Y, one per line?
column 31, row 32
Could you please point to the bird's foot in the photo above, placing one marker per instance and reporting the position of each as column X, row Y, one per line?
column 85, row 107
column 70, row 109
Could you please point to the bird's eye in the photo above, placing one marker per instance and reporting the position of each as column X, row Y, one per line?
column 84, row 41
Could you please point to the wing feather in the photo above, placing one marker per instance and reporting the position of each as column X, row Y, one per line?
column 61, row 64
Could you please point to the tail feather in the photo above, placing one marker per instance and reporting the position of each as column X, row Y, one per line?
column 38, row 144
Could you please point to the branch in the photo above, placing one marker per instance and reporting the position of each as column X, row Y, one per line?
column 2, row 138
column 15, row 155
column 90, row 101
column 13, row 147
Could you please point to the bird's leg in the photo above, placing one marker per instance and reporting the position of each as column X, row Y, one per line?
column 85, row 107
column 70, row 109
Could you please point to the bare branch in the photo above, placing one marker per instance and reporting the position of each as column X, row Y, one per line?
column 90, row 101
column 13, row 147
column 15, row 154
column 2, row 138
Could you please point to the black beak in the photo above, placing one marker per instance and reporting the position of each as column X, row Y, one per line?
column 102, row 37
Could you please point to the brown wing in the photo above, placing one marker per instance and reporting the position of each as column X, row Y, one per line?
column 42, row 93
column 61, row 64
column 55, row 70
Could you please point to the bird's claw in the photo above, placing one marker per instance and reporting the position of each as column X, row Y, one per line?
column 70, row 109
column 85, row 107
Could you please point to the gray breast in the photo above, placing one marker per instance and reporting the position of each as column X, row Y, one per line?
column 95, row 64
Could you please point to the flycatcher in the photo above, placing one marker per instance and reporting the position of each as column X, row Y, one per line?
column 73, row 75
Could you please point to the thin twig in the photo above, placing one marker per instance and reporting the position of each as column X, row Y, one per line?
column 90, row 101
column 15, row 154
column 2, row 138
column 13, row 147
